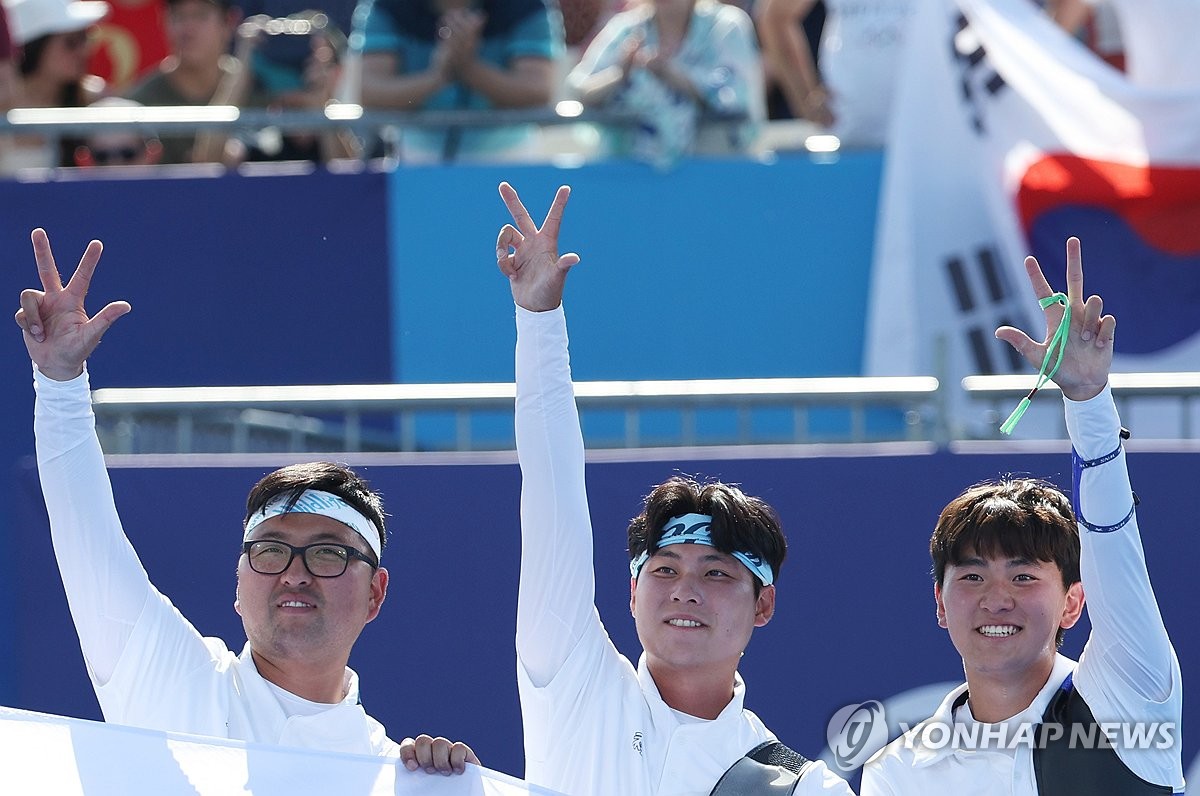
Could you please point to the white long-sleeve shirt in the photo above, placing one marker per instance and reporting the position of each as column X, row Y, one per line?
column 149, row 666
column 593, row 723
column 1127, row 672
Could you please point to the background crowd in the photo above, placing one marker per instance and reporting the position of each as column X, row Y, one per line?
column 675, row 76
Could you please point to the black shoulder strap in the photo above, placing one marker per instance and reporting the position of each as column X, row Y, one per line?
column 769, row 769
column 776, row 753
column 1072, row 754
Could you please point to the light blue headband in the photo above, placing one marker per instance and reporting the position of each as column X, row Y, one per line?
column 694, row 529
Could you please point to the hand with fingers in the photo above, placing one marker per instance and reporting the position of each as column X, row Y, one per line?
column 1087, row 343
column 529, row 257
column 58, row 333
column 465, row 29
column 436, row 755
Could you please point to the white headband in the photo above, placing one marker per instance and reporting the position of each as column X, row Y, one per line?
column 327, row 505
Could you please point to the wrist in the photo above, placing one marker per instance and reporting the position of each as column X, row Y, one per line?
column 1082, row 392
column 59, row 372
column 524, row 311
column 467, row 68
column 435, row 79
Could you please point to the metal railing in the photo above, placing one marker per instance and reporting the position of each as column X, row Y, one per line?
column 615, row 414
column 390, row 417
column 55, row 123
column 1134, row 393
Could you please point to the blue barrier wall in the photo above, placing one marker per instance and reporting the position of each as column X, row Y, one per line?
column 855, row 615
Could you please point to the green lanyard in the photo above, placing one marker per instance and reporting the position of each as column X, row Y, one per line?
column 1057, row 342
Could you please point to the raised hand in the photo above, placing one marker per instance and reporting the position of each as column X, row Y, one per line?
column 58, row 333
column 1087, row 358
column 529, row 257
column 464, row 32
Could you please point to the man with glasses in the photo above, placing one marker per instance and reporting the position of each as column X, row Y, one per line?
column 308, row 580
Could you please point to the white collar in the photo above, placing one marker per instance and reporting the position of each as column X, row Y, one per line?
column 944, row 715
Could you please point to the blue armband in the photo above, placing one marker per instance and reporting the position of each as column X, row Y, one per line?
column 1078, row 465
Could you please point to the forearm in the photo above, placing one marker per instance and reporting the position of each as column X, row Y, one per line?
column 382, row 87
column 234, row 89
column 798, row 78
column 557, row 588
column 105, row 583
column 597, row 89
column 1127, row 627
column 527, row 83
column 786, row 48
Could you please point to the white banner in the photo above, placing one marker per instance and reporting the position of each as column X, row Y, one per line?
column 40, row 753
column 1009, row 137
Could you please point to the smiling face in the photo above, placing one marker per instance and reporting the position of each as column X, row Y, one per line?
column 1004, row 615
column 298, row 618
column 695, row 609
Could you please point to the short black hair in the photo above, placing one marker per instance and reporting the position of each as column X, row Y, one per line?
column 740, row 522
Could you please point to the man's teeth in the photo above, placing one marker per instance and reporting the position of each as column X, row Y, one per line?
column 998, row 631
column 294, row 604
column 684, row 623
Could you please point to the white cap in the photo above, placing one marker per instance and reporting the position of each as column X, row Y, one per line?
column 32, row 19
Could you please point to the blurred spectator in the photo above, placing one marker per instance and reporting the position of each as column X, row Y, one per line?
column 280, row 61
column 311, row 89
column 860, row 55
column 118, row 147
column 456, row 54
column 199, row 71
column 52, row 72
column 672, row 61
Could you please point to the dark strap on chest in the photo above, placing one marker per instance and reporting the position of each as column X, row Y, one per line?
column 768, row 769
column 1072, row 756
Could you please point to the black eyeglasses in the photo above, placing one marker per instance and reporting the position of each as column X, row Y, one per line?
column 322, row 560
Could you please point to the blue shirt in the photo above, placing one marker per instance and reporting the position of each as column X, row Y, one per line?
column 515, row 29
